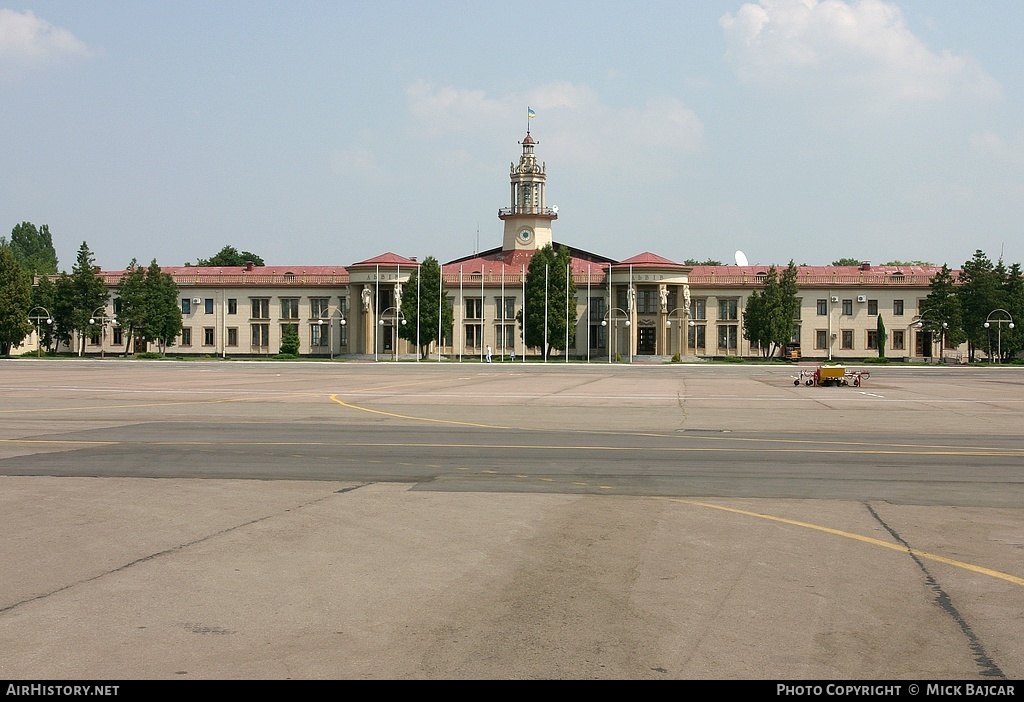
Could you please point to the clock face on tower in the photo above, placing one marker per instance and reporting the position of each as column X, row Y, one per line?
column 525, row 235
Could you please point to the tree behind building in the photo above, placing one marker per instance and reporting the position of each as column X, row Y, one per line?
column 550, row 304
column 15, row 301
column 425, row 306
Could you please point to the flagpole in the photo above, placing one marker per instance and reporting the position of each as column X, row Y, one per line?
column 483, row 315
column 522, row 277
column 608, row 336
column 418, row 347
column 567, row 274
column 503, row 312
column 462, row 317
column 544, row 351
column 631, row 293
column 376, row 307
column 440, row 309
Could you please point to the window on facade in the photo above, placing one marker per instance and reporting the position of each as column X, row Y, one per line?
column 474, row 308
column 232, row 336
column 598, row 336
column 289, row 308
column 319, row 307
column 728, row 310
column 697, row 336
column 261, row 310
column 897, row 308
column 873, row 308
column 118, row 336
column 647, row 299
column 260, row 335
column 822, row 307
column 898, row 342
column 208, row 305
column 186, row 306
column 872, row 338
column 473, row 336
column 186, row 336
column 598, row 309
column 94, row 339
column 505, row 308
column 820, row 339
column 848, row 307
column 700, row 308
column 847, row 336
column 232, row 305
column 622, row 299
column 208, row 336
column 728, row 336
column 318, row 334
column 505, row 336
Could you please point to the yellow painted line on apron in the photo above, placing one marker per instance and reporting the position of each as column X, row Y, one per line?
column 947, row 451
column 334, row 398
column 857, row 537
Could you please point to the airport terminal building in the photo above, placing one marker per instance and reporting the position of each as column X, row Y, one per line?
column 646, row 306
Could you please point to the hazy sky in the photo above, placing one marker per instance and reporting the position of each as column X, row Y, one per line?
column 329, row 132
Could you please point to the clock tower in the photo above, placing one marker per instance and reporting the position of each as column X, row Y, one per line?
column 528, row 218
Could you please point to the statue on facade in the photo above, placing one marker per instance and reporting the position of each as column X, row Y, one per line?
column 367, row 296
column 630, row 298
column 686, row 299
column 398, row 294
column 663, row 294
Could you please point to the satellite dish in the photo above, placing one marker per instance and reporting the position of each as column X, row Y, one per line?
column 741, row 260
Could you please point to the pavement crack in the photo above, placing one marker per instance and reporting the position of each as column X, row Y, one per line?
column 987, row 666
column 158, row 554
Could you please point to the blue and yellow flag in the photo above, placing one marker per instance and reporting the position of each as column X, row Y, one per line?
column 530, row 112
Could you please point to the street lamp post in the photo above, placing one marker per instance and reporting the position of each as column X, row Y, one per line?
column 328, row 321
column 102, row 320
column 989, row 321
column 398, row 316
column 923, row 321
column 38, row 319
column 615, row 326
column 685, row 315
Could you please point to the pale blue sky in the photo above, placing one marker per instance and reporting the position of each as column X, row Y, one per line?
column 329, row 132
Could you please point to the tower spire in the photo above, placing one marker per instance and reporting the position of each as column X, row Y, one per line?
column 527, row 218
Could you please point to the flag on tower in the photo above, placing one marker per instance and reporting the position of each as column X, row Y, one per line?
column 530, row 112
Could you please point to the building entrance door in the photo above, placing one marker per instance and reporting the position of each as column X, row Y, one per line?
column 645, row 338
column 923, row 344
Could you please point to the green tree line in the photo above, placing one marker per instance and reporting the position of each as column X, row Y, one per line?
column 957, row 308
column 71, row 307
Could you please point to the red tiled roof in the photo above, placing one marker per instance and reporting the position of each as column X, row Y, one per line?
column 510, row 263
column 650, row 260
column 817, row 270
column 387, row 259
column 256, row 270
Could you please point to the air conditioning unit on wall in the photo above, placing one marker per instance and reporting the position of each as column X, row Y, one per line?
column 196, row 300
column 862, row 298
column 835, row 299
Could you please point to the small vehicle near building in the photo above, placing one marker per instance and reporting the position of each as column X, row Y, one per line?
column 827, row 375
